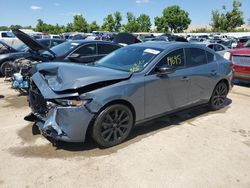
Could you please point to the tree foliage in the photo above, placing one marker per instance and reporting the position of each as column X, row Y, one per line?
column 109, row 23
column 144, row 23
column 227, row 20
column 132, row 24
column 93, row 27
column 80, row 24
column 118, row 19
column 174, row 19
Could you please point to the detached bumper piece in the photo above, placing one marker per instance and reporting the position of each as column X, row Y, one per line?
column 67, row 124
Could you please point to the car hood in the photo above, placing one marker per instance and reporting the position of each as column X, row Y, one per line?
column 62, row 77
column 33, row 44
column 13, row 55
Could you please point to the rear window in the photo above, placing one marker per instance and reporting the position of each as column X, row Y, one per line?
column 195, row 56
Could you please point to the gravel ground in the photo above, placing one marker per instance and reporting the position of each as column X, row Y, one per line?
column 194, row 148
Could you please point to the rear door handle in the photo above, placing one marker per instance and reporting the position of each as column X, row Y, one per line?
column 185, row 78
column 213, row 72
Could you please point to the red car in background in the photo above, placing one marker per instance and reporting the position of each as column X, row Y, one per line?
column 241, row 62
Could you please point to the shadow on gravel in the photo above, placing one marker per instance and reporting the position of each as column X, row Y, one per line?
column 241, row 83
column 14, row 101
column 91, row 149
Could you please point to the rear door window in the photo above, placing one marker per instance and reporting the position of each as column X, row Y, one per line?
column 87, row 50
column 104, row 49
column 195, row 57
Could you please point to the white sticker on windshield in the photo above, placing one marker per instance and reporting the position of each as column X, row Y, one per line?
column 74, row 44
column 152, row 51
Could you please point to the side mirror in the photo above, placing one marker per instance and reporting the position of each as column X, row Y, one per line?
column 163, row 70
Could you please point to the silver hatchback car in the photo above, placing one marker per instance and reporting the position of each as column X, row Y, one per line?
column 131, row 85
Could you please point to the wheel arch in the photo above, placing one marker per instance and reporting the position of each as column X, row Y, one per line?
column 117, row 101
column 225, row 81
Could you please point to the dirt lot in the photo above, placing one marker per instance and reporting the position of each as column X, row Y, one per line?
column 195, row 148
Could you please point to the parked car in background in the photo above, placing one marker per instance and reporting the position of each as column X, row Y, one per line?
column 55, row 36
column 218, row 48
column 242, row 41
column 5, row 48
column 23, row 51
column 77, row 36
column 240, row 58
column 129, row 86
column 9, row 38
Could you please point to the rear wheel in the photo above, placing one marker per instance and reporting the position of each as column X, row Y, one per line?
column 219, row 96
column 113, row 125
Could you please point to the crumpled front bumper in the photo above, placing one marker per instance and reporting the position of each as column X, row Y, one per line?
column 66, row 123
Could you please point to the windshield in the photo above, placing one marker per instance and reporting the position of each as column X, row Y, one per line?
column 64, row 47
column 129, row 59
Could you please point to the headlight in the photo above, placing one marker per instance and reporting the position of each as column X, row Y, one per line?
column 227, row 55
column 65, row 102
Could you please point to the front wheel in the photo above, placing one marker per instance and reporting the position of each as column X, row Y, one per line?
column 219, row 96
column 113, row 125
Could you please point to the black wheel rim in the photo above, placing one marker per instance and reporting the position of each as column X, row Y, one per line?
column 220, row 94
column 115, row 125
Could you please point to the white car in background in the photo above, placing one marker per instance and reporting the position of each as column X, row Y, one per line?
column 9, row 38
column 218, row 48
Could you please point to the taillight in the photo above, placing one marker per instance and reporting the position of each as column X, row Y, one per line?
column 228, row 56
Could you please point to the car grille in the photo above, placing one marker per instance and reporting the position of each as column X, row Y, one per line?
column 37, row 102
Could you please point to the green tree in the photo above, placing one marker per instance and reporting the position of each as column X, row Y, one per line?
column 80, row 24
column 93, row 27
column 117, row 19
column 4, row 28
column 109, row 23
column 144, row 23
column 132, row 24
column 15, row 27
column 227, row 20
column 41, row 26
column 174, row 18
column 161, row 25
column 69, row 28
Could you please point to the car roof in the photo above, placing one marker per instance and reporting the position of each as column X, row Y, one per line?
column 167, row 45
column 92, row 41
column 50, row 39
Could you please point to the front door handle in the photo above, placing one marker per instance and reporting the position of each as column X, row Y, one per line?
column 185, row 78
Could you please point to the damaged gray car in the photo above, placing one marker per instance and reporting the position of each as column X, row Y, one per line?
column 131, row 85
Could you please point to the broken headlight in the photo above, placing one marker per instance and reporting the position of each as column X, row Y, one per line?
column 66, row 102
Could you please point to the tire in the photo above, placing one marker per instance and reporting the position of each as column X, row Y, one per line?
column 3, row 67
column 113, row 125
column 219, row 96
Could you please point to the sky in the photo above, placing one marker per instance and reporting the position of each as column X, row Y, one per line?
column 26, row 12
